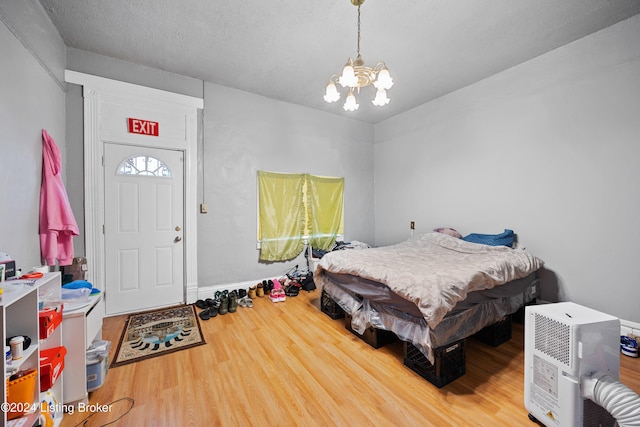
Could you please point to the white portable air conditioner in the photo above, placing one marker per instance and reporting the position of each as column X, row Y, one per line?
column 565, row 345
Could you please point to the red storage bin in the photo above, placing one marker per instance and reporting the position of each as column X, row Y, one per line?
column 51, row 366
column 50, row 318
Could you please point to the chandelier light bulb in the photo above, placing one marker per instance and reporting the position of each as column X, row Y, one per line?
column 384, row 80
column 350, row 104
column 348, row 77
column 381, row 98
column 331, row 94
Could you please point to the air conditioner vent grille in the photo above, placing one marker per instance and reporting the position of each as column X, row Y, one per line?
column 553, row 338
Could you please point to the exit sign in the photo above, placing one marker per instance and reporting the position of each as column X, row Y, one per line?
column 143, row 127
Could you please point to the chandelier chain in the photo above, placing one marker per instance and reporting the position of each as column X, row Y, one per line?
column 358, row 30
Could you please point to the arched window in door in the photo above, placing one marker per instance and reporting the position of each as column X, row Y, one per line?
column 144, row 166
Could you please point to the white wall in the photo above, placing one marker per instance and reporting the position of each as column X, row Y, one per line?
column 242, row 134
column 550, row 149
column 31, row 99
column 245, row 133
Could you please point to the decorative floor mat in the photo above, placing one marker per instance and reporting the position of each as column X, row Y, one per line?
column 158, row 332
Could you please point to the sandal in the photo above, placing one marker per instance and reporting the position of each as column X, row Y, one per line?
column 204, row 315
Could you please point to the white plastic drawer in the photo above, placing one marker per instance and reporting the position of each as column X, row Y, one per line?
column 94, row 322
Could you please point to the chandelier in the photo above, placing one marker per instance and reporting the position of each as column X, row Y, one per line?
column 356, row 75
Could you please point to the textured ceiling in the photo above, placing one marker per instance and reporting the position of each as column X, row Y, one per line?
column 286, row 49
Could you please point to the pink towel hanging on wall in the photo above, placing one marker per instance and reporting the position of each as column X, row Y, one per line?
column 57, row 223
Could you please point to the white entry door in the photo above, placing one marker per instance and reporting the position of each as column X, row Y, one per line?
column 144, row 210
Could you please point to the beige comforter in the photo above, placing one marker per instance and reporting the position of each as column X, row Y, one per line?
column 433, row 270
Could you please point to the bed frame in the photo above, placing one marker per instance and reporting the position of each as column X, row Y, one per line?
column 378, row 316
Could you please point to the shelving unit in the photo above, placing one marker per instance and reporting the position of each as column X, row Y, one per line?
column 19, row 308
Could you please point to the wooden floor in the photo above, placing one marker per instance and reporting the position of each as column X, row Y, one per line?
column 289, row 364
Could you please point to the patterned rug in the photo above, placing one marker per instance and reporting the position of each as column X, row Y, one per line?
column 158, row 332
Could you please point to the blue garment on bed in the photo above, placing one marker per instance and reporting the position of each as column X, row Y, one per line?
column 503, row 239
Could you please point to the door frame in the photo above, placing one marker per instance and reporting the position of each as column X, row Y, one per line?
column 98, row 91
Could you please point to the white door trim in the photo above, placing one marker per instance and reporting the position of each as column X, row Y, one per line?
column 96, row 91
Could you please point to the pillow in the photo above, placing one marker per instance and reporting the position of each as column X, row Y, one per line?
column 503, row 239
column 449, row 231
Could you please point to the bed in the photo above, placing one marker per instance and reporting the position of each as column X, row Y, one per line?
column 430, row 290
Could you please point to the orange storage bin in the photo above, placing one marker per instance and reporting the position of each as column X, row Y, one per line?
column 20, row 392
column 49, row 318
column 51, row 366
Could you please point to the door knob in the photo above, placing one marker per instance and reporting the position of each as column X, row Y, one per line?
column 178, row 228
column 177, row 239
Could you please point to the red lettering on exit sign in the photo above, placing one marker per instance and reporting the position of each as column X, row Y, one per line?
column 143, row 127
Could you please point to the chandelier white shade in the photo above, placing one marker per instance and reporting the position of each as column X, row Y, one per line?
column 356, row 75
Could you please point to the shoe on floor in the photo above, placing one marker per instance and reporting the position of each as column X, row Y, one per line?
column 292, row 291
column 628, row 346
column 245, row 302
column 233, row 302
column 224, row 305
column 204, row 314
column 252, row 292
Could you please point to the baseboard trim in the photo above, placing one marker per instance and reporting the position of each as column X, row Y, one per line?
column 209, row 291
column 629, row 328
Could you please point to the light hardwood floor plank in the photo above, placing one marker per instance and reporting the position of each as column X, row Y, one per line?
column 289, row 364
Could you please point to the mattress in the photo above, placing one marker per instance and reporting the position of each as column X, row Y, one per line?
column 430, row 290
column 434, row 272
column 380, row 294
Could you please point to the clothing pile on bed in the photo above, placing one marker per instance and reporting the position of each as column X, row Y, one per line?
column 338, row 246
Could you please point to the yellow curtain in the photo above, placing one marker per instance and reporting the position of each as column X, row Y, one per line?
column 325, row 201
column 282, row 215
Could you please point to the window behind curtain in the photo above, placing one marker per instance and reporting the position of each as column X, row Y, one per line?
column 326, row 207
column 296, row 207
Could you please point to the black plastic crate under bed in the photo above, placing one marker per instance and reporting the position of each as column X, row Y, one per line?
column 496, row 334
column 449, row 362
column 375, row 337
column 518, row 316
column 329, row 307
